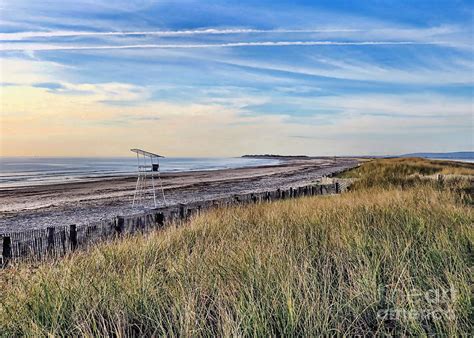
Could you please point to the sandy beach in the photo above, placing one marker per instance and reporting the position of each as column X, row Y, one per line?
column 83, row 202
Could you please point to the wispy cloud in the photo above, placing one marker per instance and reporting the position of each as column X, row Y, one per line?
column 390, row 32
column 46, row 47
column 16, row 36
column 447, row 72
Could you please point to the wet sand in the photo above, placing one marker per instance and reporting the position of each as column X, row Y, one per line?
column 89, row 201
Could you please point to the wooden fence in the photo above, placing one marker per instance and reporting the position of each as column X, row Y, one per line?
column 38, row 244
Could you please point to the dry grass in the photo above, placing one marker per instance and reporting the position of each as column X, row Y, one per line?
column 322, row 265
column 406, row 172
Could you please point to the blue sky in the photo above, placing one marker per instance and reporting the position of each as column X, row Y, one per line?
column 223, row 78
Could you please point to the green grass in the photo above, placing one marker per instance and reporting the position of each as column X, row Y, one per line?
column 319, row 265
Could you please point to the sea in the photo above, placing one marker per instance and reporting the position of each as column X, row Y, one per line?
column 465, row 160
column 30, row 171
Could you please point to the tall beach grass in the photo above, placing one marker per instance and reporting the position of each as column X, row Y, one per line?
column 389, row 257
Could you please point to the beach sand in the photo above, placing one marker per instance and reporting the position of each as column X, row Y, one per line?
column 89, row 201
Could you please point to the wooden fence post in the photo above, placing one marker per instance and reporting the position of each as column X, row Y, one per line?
column 189, row 213
column 63, row 239
column 7, row 250
column 50, row 239
column 73, row 236
column 119, row 225
column 38, row 248
column 182, row 211
column 160, row 219
column 139, row 224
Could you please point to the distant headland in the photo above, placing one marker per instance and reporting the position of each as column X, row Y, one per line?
column 445, row 156
column 280, row 157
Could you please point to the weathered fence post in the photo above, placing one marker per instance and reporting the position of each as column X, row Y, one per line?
column 182, row 211
column 50, row 240
column 63, row 239
column 140, row 224
column 7, row 250
column 119, row 225
column 338, row 188
column 73, row 236
column 38, row 247
column 189, row 212
column 160, row 219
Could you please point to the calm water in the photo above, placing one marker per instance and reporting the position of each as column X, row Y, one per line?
column 28, row 171
column 466, row 160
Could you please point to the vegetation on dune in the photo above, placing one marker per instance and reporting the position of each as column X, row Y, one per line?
column 410, row 172
column 386, row 258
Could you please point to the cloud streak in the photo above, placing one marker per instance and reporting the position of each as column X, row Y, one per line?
column 18, row 36
column 339, row 68
column 58, row 47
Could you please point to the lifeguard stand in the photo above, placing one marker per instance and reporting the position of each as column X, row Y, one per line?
column 148, row 169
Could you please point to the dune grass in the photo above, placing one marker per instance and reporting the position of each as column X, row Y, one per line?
column 385, row 258
column 405, row 172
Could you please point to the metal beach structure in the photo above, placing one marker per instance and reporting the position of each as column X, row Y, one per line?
column 148, row 165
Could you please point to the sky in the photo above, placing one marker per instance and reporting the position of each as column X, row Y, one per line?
column 226, row 78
